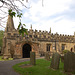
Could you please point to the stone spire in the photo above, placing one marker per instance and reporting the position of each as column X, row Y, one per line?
column 10, row 24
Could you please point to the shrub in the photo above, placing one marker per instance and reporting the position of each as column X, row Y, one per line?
column 65, row 51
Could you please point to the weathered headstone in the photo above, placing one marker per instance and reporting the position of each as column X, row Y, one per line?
column 69, row 62
column 47, row 56
column 32, row 58
column 55, row 61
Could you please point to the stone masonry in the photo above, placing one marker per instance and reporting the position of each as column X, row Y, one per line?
column 40, row 41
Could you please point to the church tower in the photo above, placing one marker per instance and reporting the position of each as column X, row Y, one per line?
column 7, row 39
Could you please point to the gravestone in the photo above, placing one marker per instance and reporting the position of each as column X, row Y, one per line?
column 69, row 62
column 47, row 56
column 55, row 61
column 32, row 58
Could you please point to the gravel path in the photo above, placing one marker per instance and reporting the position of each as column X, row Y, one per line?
column 6, row 66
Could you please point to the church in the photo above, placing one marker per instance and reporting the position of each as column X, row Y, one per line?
column 16, row 46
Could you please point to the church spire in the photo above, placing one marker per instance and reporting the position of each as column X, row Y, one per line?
column 10, row 24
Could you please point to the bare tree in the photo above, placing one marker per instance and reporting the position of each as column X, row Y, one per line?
column 10, row 7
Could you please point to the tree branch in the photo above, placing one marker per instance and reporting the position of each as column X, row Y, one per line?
column 2, row 26
column 2, row 17
column 2, row 5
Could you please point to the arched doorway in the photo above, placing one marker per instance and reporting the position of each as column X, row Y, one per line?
column 26, row 50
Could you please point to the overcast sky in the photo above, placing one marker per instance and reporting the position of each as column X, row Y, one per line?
column 57, row 14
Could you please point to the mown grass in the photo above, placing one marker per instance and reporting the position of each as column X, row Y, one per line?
column 5, row 59
column 42, row 67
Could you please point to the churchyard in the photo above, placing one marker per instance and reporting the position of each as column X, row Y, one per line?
column 48, row 66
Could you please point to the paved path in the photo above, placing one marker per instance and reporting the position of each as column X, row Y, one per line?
column 6, row 66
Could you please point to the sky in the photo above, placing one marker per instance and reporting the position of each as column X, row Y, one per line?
column 59, row 15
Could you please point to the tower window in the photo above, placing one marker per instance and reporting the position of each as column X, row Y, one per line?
column 15, row 34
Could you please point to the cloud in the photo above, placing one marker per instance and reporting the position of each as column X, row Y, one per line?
column 69, row 14
column 51, row 8
column 57, row 14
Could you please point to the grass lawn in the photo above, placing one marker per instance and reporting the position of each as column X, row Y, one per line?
column 5, row 59
column 42, row 67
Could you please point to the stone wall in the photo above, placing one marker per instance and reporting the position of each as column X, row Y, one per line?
column 38, row 41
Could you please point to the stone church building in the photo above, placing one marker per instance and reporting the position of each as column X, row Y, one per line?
column 16, row 46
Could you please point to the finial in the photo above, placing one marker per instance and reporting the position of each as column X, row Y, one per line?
column 50, row 29
column 74, row 33
column 31, row 26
